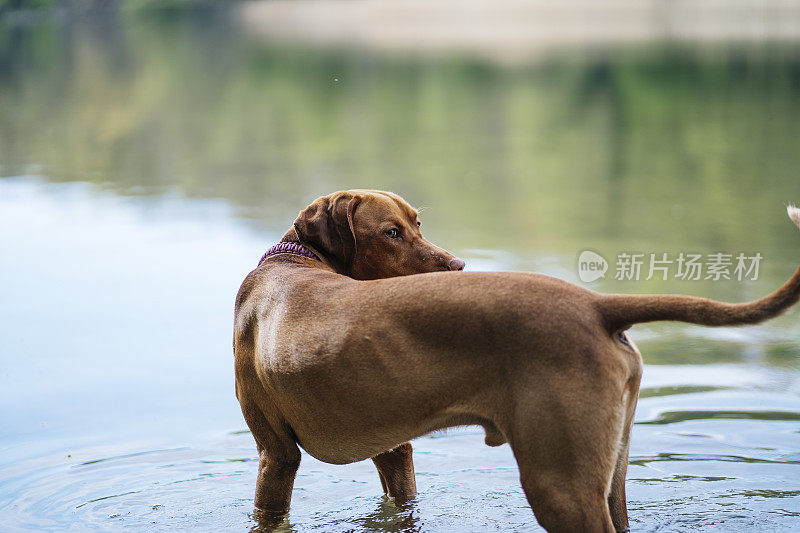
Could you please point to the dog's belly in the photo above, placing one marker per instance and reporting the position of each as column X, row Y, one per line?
column 349, row 424
column 347, row 449
column 358, row 447
column 336, row 431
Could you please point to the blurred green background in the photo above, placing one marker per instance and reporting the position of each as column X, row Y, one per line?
column 661, row 144
column 151, row 151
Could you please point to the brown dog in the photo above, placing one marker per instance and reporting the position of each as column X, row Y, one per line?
column 351, row 369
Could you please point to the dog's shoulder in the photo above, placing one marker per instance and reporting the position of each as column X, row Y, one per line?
column 252, row 293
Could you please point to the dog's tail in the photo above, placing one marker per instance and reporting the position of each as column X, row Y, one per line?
column 621, row 311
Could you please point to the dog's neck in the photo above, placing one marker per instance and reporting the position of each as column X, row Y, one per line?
column 289, row 248
column 290, row 236
column 289, row 244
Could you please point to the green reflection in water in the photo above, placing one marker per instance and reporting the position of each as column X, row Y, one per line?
column 766, row 493
column 672, row 417
column 681, row 457
column 677, row 479
column 780, row 354
column 676, row 346
column 675, row 390
column 669, row 349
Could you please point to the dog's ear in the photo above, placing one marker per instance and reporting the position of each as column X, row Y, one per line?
column 326, row 226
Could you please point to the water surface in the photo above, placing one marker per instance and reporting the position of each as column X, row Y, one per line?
column 147, row 162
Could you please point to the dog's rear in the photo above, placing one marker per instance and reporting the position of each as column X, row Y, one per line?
column 621, row 311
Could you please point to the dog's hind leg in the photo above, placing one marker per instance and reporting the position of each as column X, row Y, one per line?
column 617, row 503
column 566, row 446
column 616, row 498
column 396, row 470
column 278, row 460
column 571, row 499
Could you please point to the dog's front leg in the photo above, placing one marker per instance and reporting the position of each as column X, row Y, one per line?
column 396, row 470
column 276, row 473
column 278, row 461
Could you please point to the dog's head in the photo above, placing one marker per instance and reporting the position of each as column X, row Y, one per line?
column 369, row 235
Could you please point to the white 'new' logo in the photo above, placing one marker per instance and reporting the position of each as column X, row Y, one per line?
column 591, row 266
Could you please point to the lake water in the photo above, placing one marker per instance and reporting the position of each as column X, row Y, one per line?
column 148, row 160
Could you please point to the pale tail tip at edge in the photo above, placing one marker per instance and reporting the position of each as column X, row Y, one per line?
column 794, row 214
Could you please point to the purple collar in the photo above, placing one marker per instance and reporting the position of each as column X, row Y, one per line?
column 288, row 248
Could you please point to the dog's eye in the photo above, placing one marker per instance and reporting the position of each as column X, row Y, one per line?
column 419, row 223
column 393, row 233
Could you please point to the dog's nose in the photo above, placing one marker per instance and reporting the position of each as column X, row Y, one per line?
column 456, row 264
